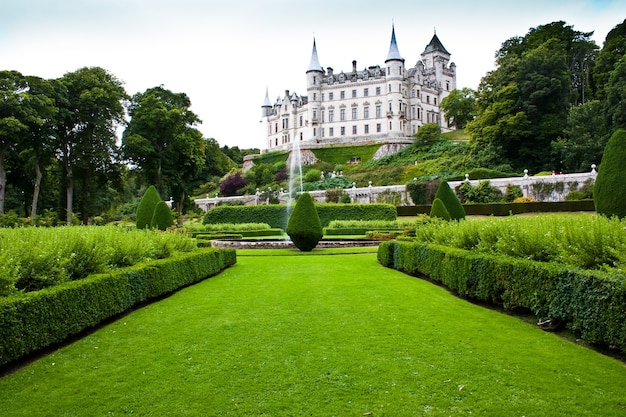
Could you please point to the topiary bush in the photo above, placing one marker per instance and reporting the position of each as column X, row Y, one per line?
column 162, row 217
column 439, row 210
column 450, row 201
column 609, row 194
column 304, row 226
column 145, row 209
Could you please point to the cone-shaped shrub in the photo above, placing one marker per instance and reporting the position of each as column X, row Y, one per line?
column 609, row 194
column 439, row 210
column 304, row 226
column 450, row 200
column 145, row 209
column 162, row 217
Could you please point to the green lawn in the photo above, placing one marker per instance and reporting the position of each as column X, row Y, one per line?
column 334, row 335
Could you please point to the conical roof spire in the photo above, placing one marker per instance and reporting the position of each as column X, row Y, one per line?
column 314, row 65
column 435, row 45
column 394, row 53
column 267, row 102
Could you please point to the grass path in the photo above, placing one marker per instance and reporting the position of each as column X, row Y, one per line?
column 317, row 336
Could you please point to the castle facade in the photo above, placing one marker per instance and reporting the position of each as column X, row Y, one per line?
column 385, row 105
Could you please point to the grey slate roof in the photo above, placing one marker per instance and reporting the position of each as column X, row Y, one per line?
column 267, row 102
column 435, row 45
column 314, row 65
column 394, row 53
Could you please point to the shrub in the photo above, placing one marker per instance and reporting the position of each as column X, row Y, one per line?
column 524, row 200
column 145, row 209
column 304, row 227
column 312, row 175
column 609, row 194
column 439, row 210
column 162, row 217
column 512, row 192
column 390, row 197
column 334, row 195
column 232, row 183
column 450, row 201
column 422, row 192
column 482, row 193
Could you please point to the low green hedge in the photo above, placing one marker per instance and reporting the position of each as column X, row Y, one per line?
column 35, row 320
column 591, row 303
column 505, row 209
column 276, row 214
column 242, row 233
column 338, row 231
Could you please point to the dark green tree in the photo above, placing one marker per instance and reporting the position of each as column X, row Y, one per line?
column 459, row 107
column 162, row 141
column 613, row 50
column 304, row 227
column 90, row 111
column 145, row 209
column 616, row 97
column 427, row 134
column 162, row 217
column 522, row 105
column 449, row 199
column 439, row 210
column 609, row 194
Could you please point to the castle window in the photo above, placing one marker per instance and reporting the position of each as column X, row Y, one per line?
column 414, row 129
column 354, row 109
column 435, row 100
column 342, row 94
column 367, row 129
column 331, row 131
column 322, row 116
column 447, row 85
column 331, row 96
column 413, row 93
column 315, row 115
column 377, row 91
column 285, row 123
column 314, row 96
column 322, row 96
column 366, row 92
column 314, row 131
column 366, row 112
column 300, row 121
column 323, row 131
column 314, row 79
column 428, row 99
column 354, row 130
column 378, row 127
column 391, row 107
column 389, row 125
column 389, row 88
column 300, row 135
column 378, row 111
column 331, row 116
column 353, row 93
column 343, row 130
column 342, row 114
column 414, row 114
column 388, row 70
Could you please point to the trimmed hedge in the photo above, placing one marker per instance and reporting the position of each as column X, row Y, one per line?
column 591, row 303
column 241, row 233
column 608, row 192
column 304, row 227
column 32, row 321
column 276, row 214
column 338, row 231
column 506, row 209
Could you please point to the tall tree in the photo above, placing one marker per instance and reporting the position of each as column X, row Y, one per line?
column 23, row 110
column 90, row 111
column 161, row 140
column 613, row 50
column 522, row 105
column 459, row 107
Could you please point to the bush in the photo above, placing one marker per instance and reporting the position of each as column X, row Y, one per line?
column 439, row 210
column 162, row 217
column 482, row 193
column 304, row 227
column 422, row 192
column 512, row 193
column 450, row 201
column 145, row 209
column 334, row 195
column 609, row 194
column 312, row 175
column 232, row 183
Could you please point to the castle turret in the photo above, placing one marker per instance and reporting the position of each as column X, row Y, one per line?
column 314, row 74
column 394, row 76
column 266, row 107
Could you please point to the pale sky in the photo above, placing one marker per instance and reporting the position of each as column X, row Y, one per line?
column 224, row 54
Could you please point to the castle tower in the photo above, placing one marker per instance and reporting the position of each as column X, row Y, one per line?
column 395, row 76
column 314, row 76
column 437, row 57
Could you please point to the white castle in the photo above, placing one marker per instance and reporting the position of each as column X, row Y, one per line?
column 385, row 105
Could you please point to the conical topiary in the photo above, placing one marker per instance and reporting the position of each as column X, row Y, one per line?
column 451, row 201
column 609, row 194
column 304, row 226
column 439, row 210
column 145, row 209
column 162, row 217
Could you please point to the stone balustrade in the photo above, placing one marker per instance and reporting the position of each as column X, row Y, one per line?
column 542, row 188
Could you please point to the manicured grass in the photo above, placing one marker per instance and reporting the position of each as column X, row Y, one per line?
column 317, row 336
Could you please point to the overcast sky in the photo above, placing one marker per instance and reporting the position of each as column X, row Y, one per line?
column 224, row 54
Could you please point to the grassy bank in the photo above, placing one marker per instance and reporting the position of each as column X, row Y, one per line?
column 317, row 335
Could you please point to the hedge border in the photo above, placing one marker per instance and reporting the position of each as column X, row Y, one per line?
column 505, row 209
column 591, row 303
column 36, row 320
